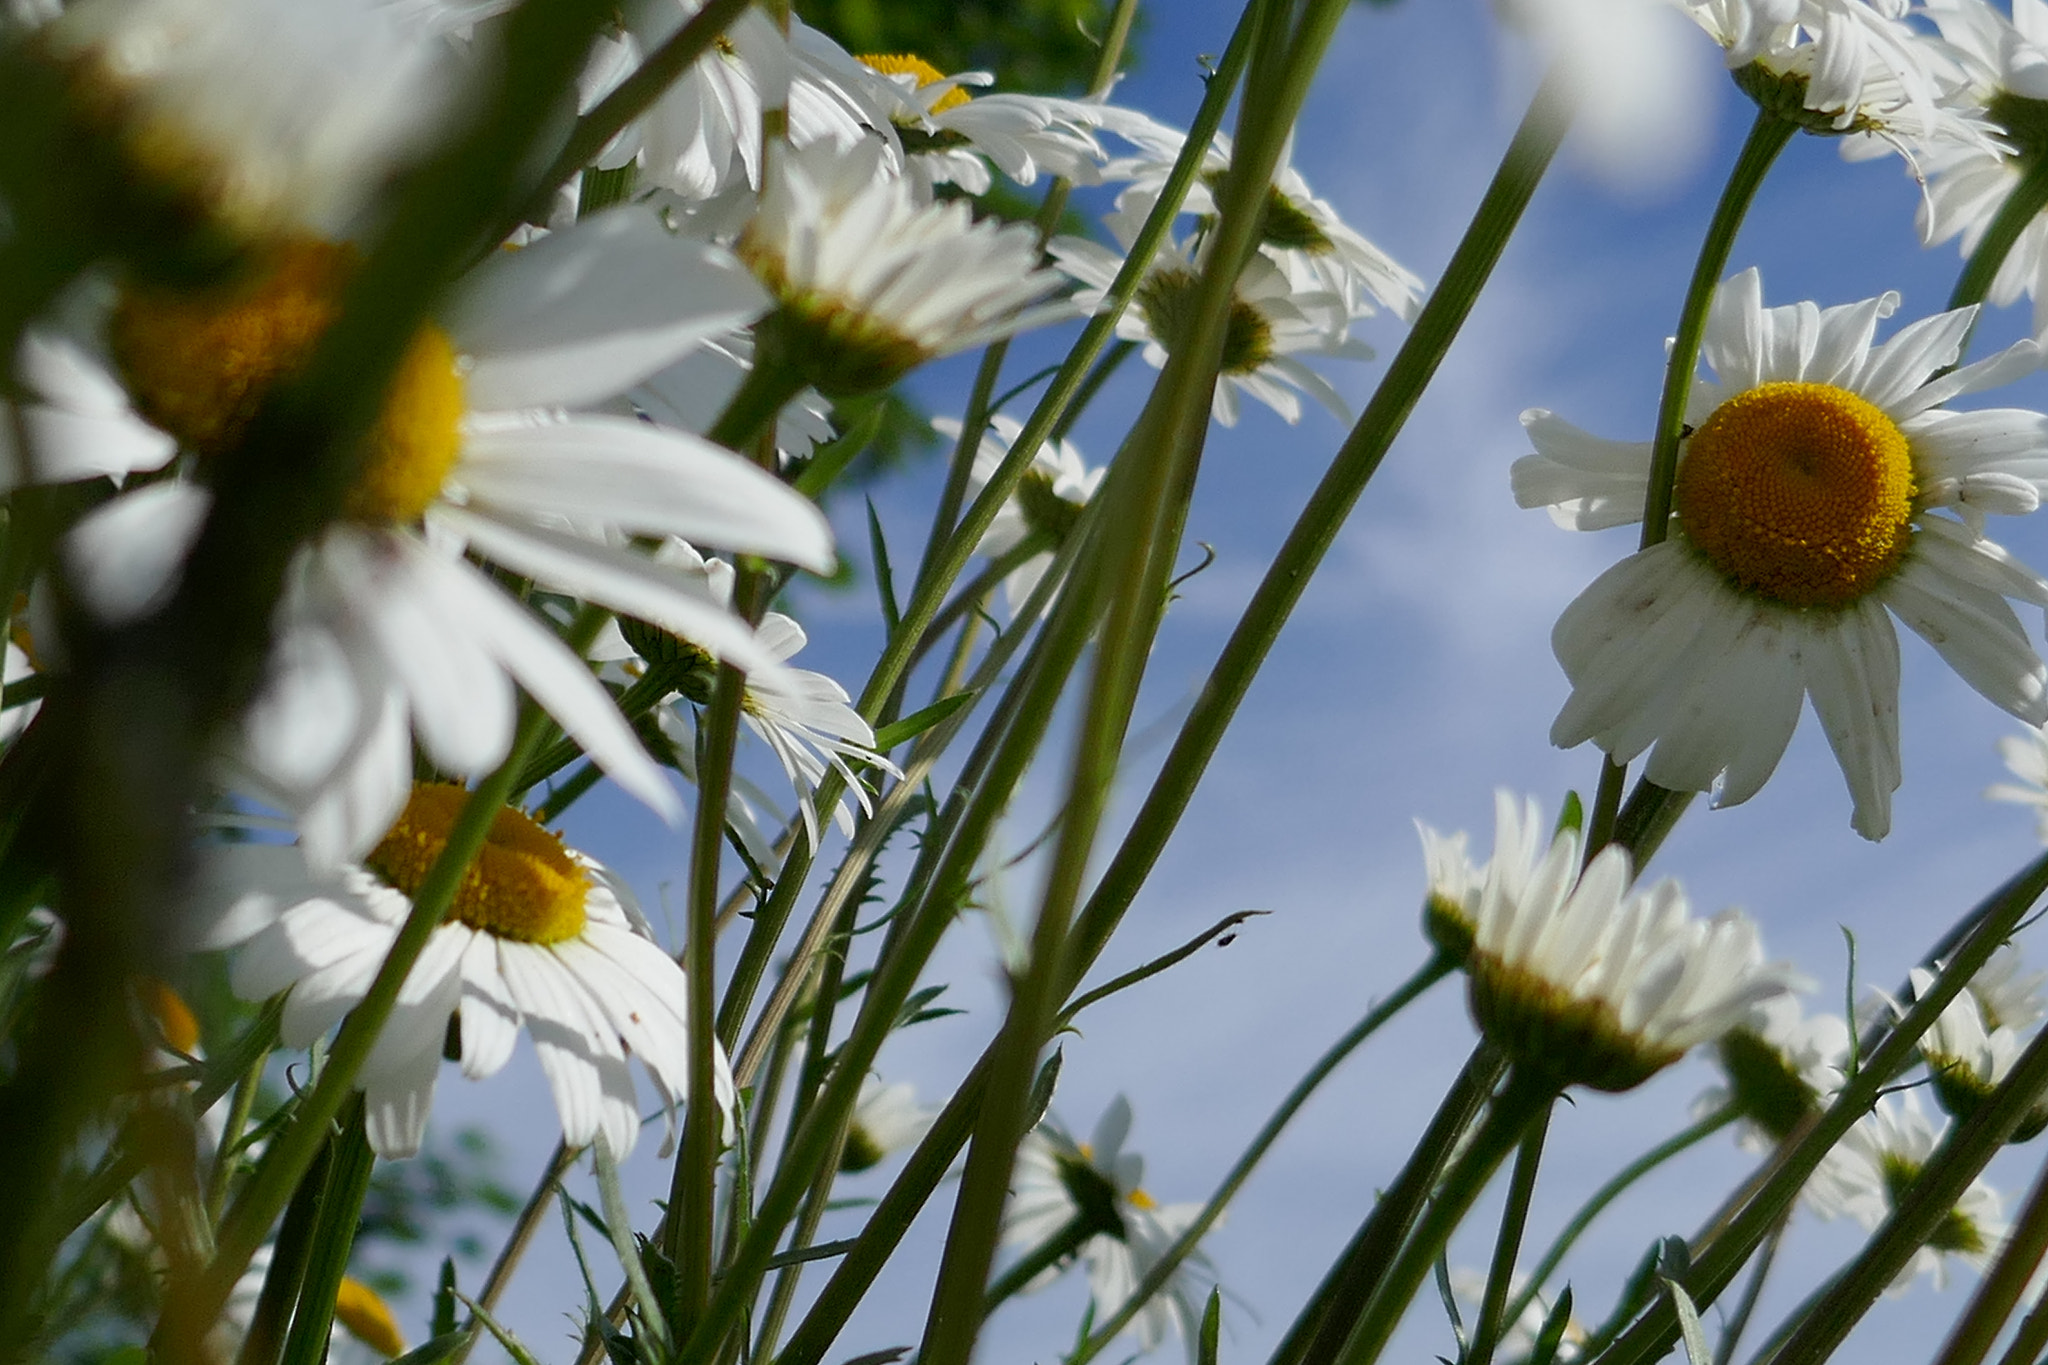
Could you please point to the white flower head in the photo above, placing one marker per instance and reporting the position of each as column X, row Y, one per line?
column 874, row 278
column 267, row 114
column 1778, row 1068
column 1061, row 1186
column 1876, row 1161
column 886, row 1119
column 1806, row 508
column 538, row 935
column 1587, row 982
column 1274, row 320
column 2026, row 757
column 1042, row 510
column 384, row 629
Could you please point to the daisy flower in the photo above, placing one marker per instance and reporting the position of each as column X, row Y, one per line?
column 1874, row 1164
column 2026, row 757
column 539, row 935
column 1064, row 1188
column 1303, row 234
column 886, row 1119
column 1272, row 322
column 1450, row 907
column 384, row 628
column 874, row 279
column 266, row 115
column 75, row 420
column 805, row 718
column 1777, row 1067
column 1587, row 982
column 1042, row 510
column 2004, row 61
column 1967, row 1057
column 1805, row 508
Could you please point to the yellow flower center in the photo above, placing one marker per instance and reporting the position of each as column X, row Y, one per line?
column 200, row 363
column 909, row 64
column 368, row 1318
column 1800, row 493
column 523, row 885
column 174, row 1018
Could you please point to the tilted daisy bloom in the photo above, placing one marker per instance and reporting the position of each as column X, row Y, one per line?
column 805, row 718
column 1090, row 1192
column 886, row 1119
column 1806, row 506
column 1778, row 1068
column 539, row 935
column 384, row 628
column 1450, row 908
column 1865, row 1174
column 2004, row 61
column 874, row 279
column 1272, row 323
column 1043, row 509
column 950, row 136
column 1303, row 234
column 1585, row 982
column 1967, row 1056
column 264, row 115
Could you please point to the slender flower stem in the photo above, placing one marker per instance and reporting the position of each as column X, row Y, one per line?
column 341, row 1209
column 2021, row 206
column 977, row 588
column 1162, row 1269
column 1767, row 137
column 1719, row 1255
column 1347, row 1290
column 1065, row 1242
column 1738, row 1321
column 1522, row 1101
column 2002, row 1289
column 1606, row 802
column 272, row 1316
column 1628, row 1175
column 1514, row 1217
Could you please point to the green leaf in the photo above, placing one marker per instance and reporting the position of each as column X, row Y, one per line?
column 829, row 461
column 1042, row 1088
column 436, row 1348
column 1689, row 1329
column 1212, row 1323
column 1572, row 817
column 884, row 1357
column 911, row 726
column 885, row 578
column 443, row 1321
column 1551, row 1336
column 513, row 1346
column 1450, row 1302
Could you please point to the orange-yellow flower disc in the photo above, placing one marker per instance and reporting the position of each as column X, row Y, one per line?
column 522, row 886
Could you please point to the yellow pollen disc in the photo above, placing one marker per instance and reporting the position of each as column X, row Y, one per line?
column 368, row 1318
column 909, row 64
column 174, row 1018
column 1800, row 493
column 523, row 885
column 199, row 363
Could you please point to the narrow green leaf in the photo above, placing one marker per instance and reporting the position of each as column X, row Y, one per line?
column 829, row 461
column 1449, row 1299
column 1212, row 1324
column 1689, row 1329
column 1572, row 817
column 443, row 1321
column 653, row 1320
column 884, row 1357
column 911, row 726
column 1042, row 1088
column 1551, row 1336
column 885, row 577
column 513, row 1346
column 436, row 1348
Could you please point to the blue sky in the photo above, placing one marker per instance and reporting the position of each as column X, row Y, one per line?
column 1415, row 678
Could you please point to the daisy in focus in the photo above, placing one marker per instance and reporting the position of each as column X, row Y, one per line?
column 1586, row 981
column 539, row 936
column 385, row 630
column 1808, row 506
column 1085, row 1199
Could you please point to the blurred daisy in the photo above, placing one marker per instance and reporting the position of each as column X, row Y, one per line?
column 1967, row 1057
column 886, row 1119
column 2004, row 63
column 384, row 628
column 874, row 279
column 1043, row 509
column 1090, row 1192
column 1804, row 510
column 539, row 935
column 2026, row 757
column 268, row 115
column 1272, row 322
column 1873, row 1166
column 74, row 419
column 1588, row 983
column 1778, row 1067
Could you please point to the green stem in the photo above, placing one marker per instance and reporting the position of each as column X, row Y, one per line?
column 1508, row 1245
column 1067, row 1241
column 1919, row 1211
column 1413, row 366
column 1647, row 820
column 1606, row 802
column 761, row 396
column 2027, row 199
column 1745, row 1308
column 1168, row 1261
column 1522, row 1101
column 341, row 1208
column 1719, row 1256
column 1628, row 1175
column 226, row 1155
column 2031, row 1339
column 1347, row 1290
column 979, row 587
column 1767, row 137
column 566, row 794
column 1112, row 361
column 272, row 1316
